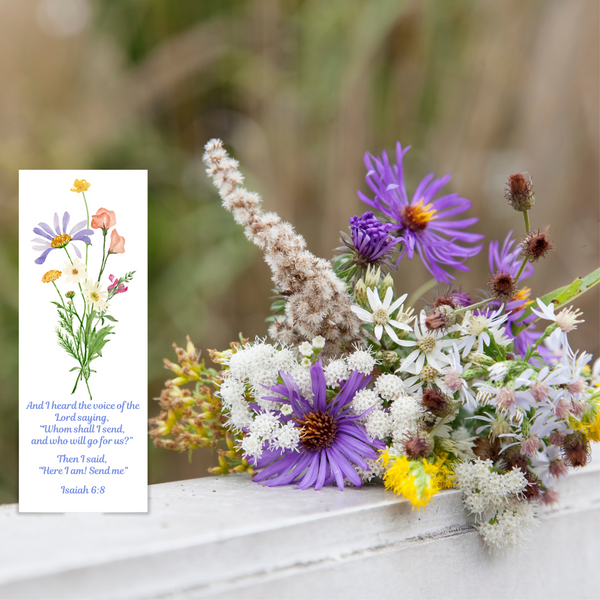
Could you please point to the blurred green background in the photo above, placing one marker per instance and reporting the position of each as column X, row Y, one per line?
column 299, row 90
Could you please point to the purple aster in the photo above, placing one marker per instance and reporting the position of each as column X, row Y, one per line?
column 332, row 440
column 507, row 260
column 422, row 222
column 53, row 239
column 371, row 244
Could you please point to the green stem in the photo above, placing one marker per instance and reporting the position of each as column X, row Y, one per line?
column 521, row 268
column 87, row 210
column 84, row 304
column 420, row 291
column 104, row 257
column 473, row 306
column 549, row 330
column 526, row 217
column 61, row 298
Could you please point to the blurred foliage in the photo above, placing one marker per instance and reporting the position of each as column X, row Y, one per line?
column 299, row 90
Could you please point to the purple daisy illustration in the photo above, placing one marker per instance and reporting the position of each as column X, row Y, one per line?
column 332, row 440
column 422, row 222
column 53, row 239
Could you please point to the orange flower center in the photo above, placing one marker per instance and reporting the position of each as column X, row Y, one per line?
column 74, row 272
column 94, row 296
column 60, row 241
column 416, row 216
column 522, row 294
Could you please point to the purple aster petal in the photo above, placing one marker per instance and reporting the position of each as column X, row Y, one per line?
column 319, row 385
column 323, row 470
column 65, row 222
column 77, row 251
column 47, row 229
column 56, row 225
column 42, row 258
column 77, row 227
column 344, row 465
column 387, row 184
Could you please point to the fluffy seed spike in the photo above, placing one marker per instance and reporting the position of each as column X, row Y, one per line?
column 317, row 301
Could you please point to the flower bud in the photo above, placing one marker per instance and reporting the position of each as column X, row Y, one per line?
column 386, row 284
column 360, row 294
column 519, row 192
column 372, row 277
column 70, row 294
column 390, row 358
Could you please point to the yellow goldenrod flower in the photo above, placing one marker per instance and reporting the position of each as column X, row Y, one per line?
column 52, row 275
column 591, row 430
column 416, row 480
column 80, row 185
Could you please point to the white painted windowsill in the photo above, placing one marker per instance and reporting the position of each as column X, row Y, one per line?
column 226, row 537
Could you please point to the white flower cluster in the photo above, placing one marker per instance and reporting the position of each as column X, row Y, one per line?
column 254, row 368
column 510, row 525
column 493, row 498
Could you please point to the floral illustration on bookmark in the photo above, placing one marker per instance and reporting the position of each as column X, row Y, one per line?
column 85, row 321
column 83, row 349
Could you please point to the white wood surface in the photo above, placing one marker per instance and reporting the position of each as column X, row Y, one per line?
column 226, row 537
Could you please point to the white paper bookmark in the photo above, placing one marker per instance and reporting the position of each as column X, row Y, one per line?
column 83, row 341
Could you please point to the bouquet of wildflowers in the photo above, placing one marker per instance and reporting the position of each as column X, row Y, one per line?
column 486, row 395
column 82, row 330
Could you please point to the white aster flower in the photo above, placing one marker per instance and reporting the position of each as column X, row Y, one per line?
column 453, row 381
column 477, row 329
column 381, row 315
column 429, row 349
column 75, row 272
column 566, row 319
column 506, row 399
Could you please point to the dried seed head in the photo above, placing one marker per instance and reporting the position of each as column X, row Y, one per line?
column 440, row 319
column 487, row 449
column 532, row 489
column 502, row 286
column 551, row 496
column 519, row 192
column 435, row 402
column 536, row 245
column 514, row 459
column 418, row 445
column 576, row 450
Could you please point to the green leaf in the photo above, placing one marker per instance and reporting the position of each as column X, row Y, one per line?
column 110, row 318
column 568, row 293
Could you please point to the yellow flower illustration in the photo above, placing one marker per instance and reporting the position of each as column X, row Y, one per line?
column 80, row 185
column 52, row 275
